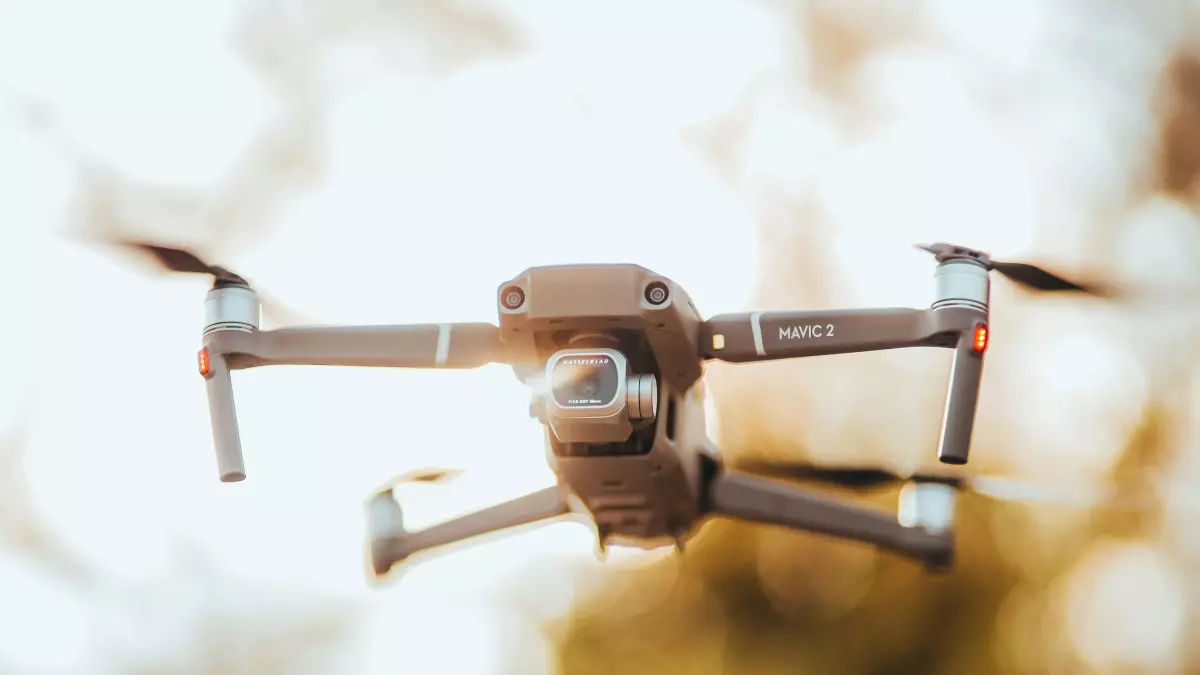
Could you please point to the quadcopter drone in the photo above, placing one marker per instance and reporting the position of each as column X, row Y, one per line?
column 613, row 356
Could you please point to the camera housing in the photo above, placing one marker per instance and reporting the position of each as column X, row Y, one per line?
column 591, row 396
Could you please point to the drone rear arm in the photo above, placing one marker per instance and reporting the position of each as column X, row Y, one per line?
column 761, row 500
column 391, row 544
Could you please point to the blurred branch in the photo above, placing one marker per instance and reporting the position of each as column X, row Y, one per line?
column 290, row 45
column 1179, row 129
column 834, row 39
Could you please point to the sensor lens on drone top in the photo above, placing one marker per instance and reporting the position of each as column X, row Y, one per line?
column 512, row 297
column 586, row 380
column 656, row 293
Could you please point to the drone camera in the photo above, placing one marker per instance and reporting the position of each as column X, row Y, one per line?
column 641, row 396
column 586, row 379
column 592, row 396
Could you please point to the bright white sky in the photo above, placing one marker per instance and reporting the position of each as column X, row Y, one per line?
column 435, row 192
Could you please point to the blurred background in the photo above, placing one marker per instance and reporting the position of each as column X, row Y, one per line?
column 388, row 162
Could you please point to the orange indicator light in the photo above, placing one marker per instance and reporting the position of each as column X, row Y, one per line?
column 202, row 357
column 981, row 338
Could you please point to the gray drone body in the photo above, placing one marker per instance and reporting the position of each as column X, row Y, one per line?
column 613, row 356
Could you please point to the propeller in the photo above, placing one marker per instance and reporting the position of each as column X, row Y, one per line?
column 427, row 475
column 866, row 478
column 1023, row 274
column 179, row 260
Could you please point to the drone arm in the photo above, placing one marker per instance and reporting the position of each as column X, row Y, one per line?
column 391, row 544
column 223, row 413
column 766, row 336
column 761, row 500
column 447, row 345
column 962, row 398
column 457, row 345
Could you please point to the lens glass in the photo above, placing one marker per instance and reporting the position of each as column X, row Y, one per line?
column 584, row 380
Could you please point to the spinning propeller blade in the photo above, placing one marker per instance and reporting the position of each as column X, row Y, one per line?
column 179, row 260
column 1023, row 274
column 427, row 475
column 1007, row 489
column 856, row 478
column 866, row 478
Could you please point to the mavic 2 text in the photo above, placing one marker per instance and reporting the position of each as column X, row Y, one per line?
column 816, row 330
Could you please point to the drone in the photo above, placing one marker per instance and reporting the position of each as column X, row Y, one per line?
column 613, row 356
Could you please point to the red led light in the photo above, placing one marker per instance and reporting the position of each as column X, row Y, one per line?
column 981, row 338
column 202, row 357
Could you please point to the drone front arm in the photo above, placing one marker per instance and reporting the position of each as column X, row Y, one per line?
column 766, row 336
column 227, row 438
column 391, row 544
column 761, row 500
column 450, row 345
column 447, row 345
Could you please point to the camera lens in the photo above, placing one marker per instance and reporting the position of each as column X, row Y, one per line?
column 585, row 380
column 588, row 387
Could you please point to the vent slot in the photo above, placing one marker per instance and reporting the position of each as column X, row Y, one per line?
column 670, row 418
